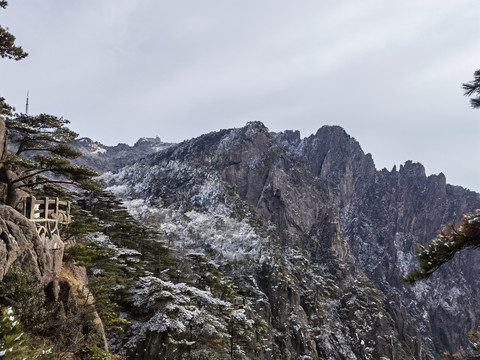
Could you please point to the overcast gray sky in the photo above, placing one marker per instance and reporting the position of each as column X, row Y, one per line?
column 389, row 72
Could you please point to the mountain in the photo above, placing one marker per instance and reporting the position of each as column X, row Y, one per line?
column 313, row 239
column 384, row 215
column 103, row 158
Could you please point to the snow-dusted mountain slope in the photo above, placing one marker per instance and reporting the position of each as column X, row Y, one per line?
column 271, row 213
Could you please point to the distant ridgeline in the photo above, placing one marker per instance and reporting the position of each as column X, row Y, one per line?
column 102, row 158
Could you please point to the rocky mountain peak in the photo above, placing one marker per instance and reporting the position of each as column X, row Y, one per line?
column 266, row 180
column 149, row 142
column 335, row 142
column 333, row 236
column 412, row 169
column 332, row 131
column 256, row 126
column 337, row 157
column 288, row 138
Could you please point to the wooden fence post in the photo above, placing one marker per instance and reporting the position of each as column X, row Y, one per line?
column 32, row 208
column 46, row 207
column 68, row 212
column 24, row 209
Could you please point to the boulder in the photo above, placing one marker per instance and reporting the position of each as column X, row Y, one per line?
column 21, row 245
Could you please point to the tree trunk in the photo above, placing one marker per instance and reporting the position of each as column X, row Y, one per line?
column 3, row 141
column 10, row 194
column 3, row 156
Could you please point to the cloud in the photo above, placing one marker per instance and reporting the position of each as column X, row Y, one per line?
column 389, row 72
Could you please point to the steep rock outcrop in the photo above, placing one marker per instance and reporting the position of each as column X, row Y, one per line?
column 384, row 215
column 65, row 285
column 21, row 245
column 74, row 293
column 325, row 217
column 297, row 272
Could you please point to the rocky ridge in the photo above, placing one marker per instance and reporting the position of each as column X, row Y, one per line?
column 384, row 215
column 271, row 211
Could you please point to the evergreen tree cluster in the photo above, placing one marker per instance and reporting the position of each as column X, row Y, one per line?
column 41, row 148
column 117, row 251
column 15, row 343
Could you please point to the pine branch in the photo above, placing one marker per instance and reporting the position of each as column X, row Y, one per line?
column 473, row 88
column 35, row 174
column 444, row 246
column 71, row 182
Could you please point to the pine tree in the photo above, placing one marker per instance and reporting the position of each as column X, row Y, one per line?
column 452, row 239
column 14, row 343
column 7, row 42
column 449, row 241
column 41, row 147
column 44, row 139
column 5, row 109
column 472, row 89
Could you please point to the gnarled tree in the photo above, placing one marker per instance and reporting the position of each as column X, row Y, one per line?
column 41, row 154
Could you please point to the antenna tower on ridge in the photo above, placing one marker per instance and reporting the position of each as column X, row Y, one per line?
column 26, row 106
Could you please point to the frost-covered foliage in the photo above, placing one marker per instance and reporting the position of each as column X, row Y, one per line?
column 202, row 219
column 192, row 309
column 188, row 321
column 116, row 251
column 15, row 343
column 210, row 228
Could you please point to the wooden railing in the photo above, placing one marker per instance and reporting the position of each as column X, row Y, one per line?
column 47, row 209
column 47, row 213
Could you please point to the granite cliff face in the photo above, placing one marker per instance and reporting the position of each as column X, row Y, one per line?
column 21, row 245
column 383, row 215
column 313, row 236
